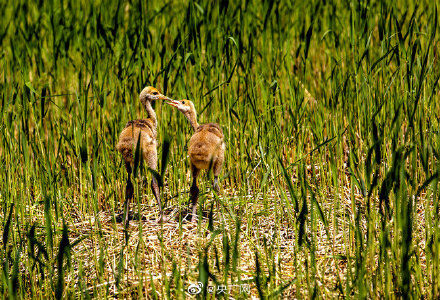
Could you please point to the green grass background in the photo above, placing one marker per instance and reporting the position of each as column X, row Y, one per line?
column 352, row 169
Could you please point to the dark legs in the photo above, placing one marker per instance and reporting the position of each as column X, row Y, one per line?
column 155, row 190
column 194, row 192
column 156, row 193
column 129, row 191
column 151, row 158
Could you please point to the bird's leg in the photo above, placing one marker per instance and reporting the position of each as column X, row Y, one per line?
column 215, row 185
column 194, row 192
column 217, row 168
column 155, row 189
column 150, row 157
column 194, row 199
column 129, row 190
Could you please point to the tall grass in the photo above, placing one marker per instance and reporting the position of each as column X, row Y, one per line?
column 330, row 112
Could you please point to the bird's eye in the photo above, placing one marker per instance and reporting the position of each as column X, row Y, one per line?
column 155, row 93
column 183, row 102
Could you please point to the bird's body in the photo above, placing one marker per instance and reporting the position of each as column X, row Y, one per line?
column 146, row 130
column 206, row 148
column 129, row 137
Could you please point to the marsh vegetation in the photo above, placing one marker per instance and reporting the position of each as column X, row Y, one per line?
column 330, row 113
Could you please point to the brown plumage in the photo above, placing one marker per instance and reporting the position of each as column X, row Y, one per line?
column 206, row 148
column 146, row 129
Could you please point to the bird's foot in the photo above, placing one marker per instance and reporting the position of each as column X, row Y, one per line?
column 131, row 216
column 189, row 218
column 194, row 217
column 215, row 185
column 120, row 217
column 162, row 219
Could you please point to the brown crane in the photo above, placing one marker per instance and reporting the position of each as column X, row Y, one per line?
column 146, row 130
column 206, row 149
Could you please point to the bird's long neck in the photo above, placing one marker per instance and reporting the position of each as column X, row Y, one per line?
column 192, row 118
column 150, row 111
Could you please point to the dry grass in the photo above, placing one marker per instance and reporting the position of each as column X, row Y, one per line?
column 152, row 247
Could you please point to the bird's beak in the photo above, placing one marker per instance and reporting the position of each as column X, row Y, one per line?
column 163, row 97
column 173, row 102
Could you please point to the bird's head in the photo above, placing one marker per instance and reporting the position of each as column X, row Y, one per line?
column 150, row 94
column 184, row 106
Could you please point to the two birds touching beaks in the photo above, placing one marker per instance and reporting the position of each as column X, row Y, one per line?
column 206, row 147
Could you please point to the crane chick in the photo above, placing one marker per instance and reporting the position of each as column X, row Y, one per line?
column 206, row 149
column 146, row 130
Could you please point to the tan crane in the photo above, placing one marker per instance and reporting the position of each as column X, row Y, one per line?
column 146, row 130
column 206, row 149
